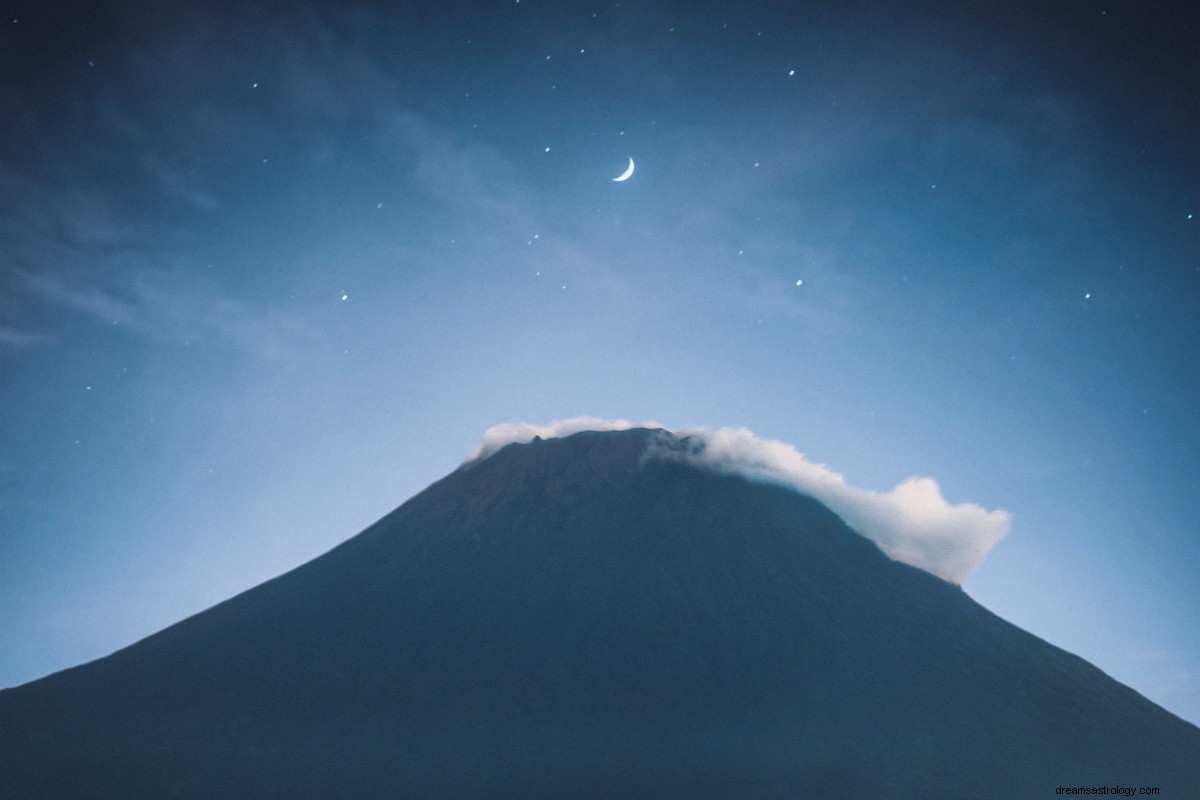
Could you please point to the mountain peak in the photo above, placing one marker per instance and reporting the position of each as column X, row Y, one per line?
column 913, row 523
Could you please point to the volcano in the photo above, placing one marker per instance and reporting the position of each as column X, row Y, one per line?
column 576, row 617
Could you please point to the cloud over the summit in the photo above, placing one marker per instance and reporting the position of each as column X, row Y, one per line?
column 507, row 433
column 912, row 523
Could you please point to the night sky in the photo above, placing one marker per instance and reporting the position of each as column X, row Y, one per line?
column 266, row 272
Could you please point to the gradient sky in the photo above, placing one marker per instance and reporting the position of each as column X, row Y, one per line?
column 266, row 272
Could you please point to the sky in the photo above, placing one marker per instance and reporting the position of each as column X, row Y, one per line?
column 267, row 270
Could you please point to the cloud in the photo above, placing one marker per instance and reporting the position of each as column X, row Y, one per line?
column 168, row 308
column 18, row 340
column 913, row 523
column 499, row 436
column 91, row 300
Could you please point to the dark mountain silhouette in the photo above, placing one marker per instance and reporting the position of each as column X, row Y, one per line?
column 570, row 619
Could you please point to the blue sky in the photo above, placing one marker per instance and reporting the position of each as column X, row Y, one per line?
column 266, row 273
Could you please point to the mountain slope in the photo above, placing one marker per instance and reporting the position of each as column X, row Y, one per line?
column 569, row 618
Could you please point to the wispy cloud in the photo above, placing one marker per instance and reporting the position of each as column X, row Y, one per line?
column 175, row 308
column 19, row 340
column 91, row 300
column 105, row 226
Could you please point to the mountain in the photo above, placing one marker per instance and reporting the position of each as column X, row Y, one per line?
column 574, row 618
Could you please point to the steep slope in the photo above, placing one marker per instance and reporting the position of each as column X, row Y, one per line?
column 569, row 618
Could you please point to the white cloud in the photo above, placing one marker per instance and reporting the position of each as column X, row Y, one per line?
column 912, row 523
column 507, row 433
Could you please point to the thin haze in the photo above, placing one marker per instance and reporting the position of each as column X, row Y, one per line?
column 268, row 269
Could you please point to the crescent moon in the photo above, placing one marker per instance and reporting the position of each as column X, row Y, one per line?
column 624, row 176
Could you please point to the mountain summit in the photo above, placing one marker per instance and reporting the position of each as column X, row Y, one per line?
column 576, row 618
